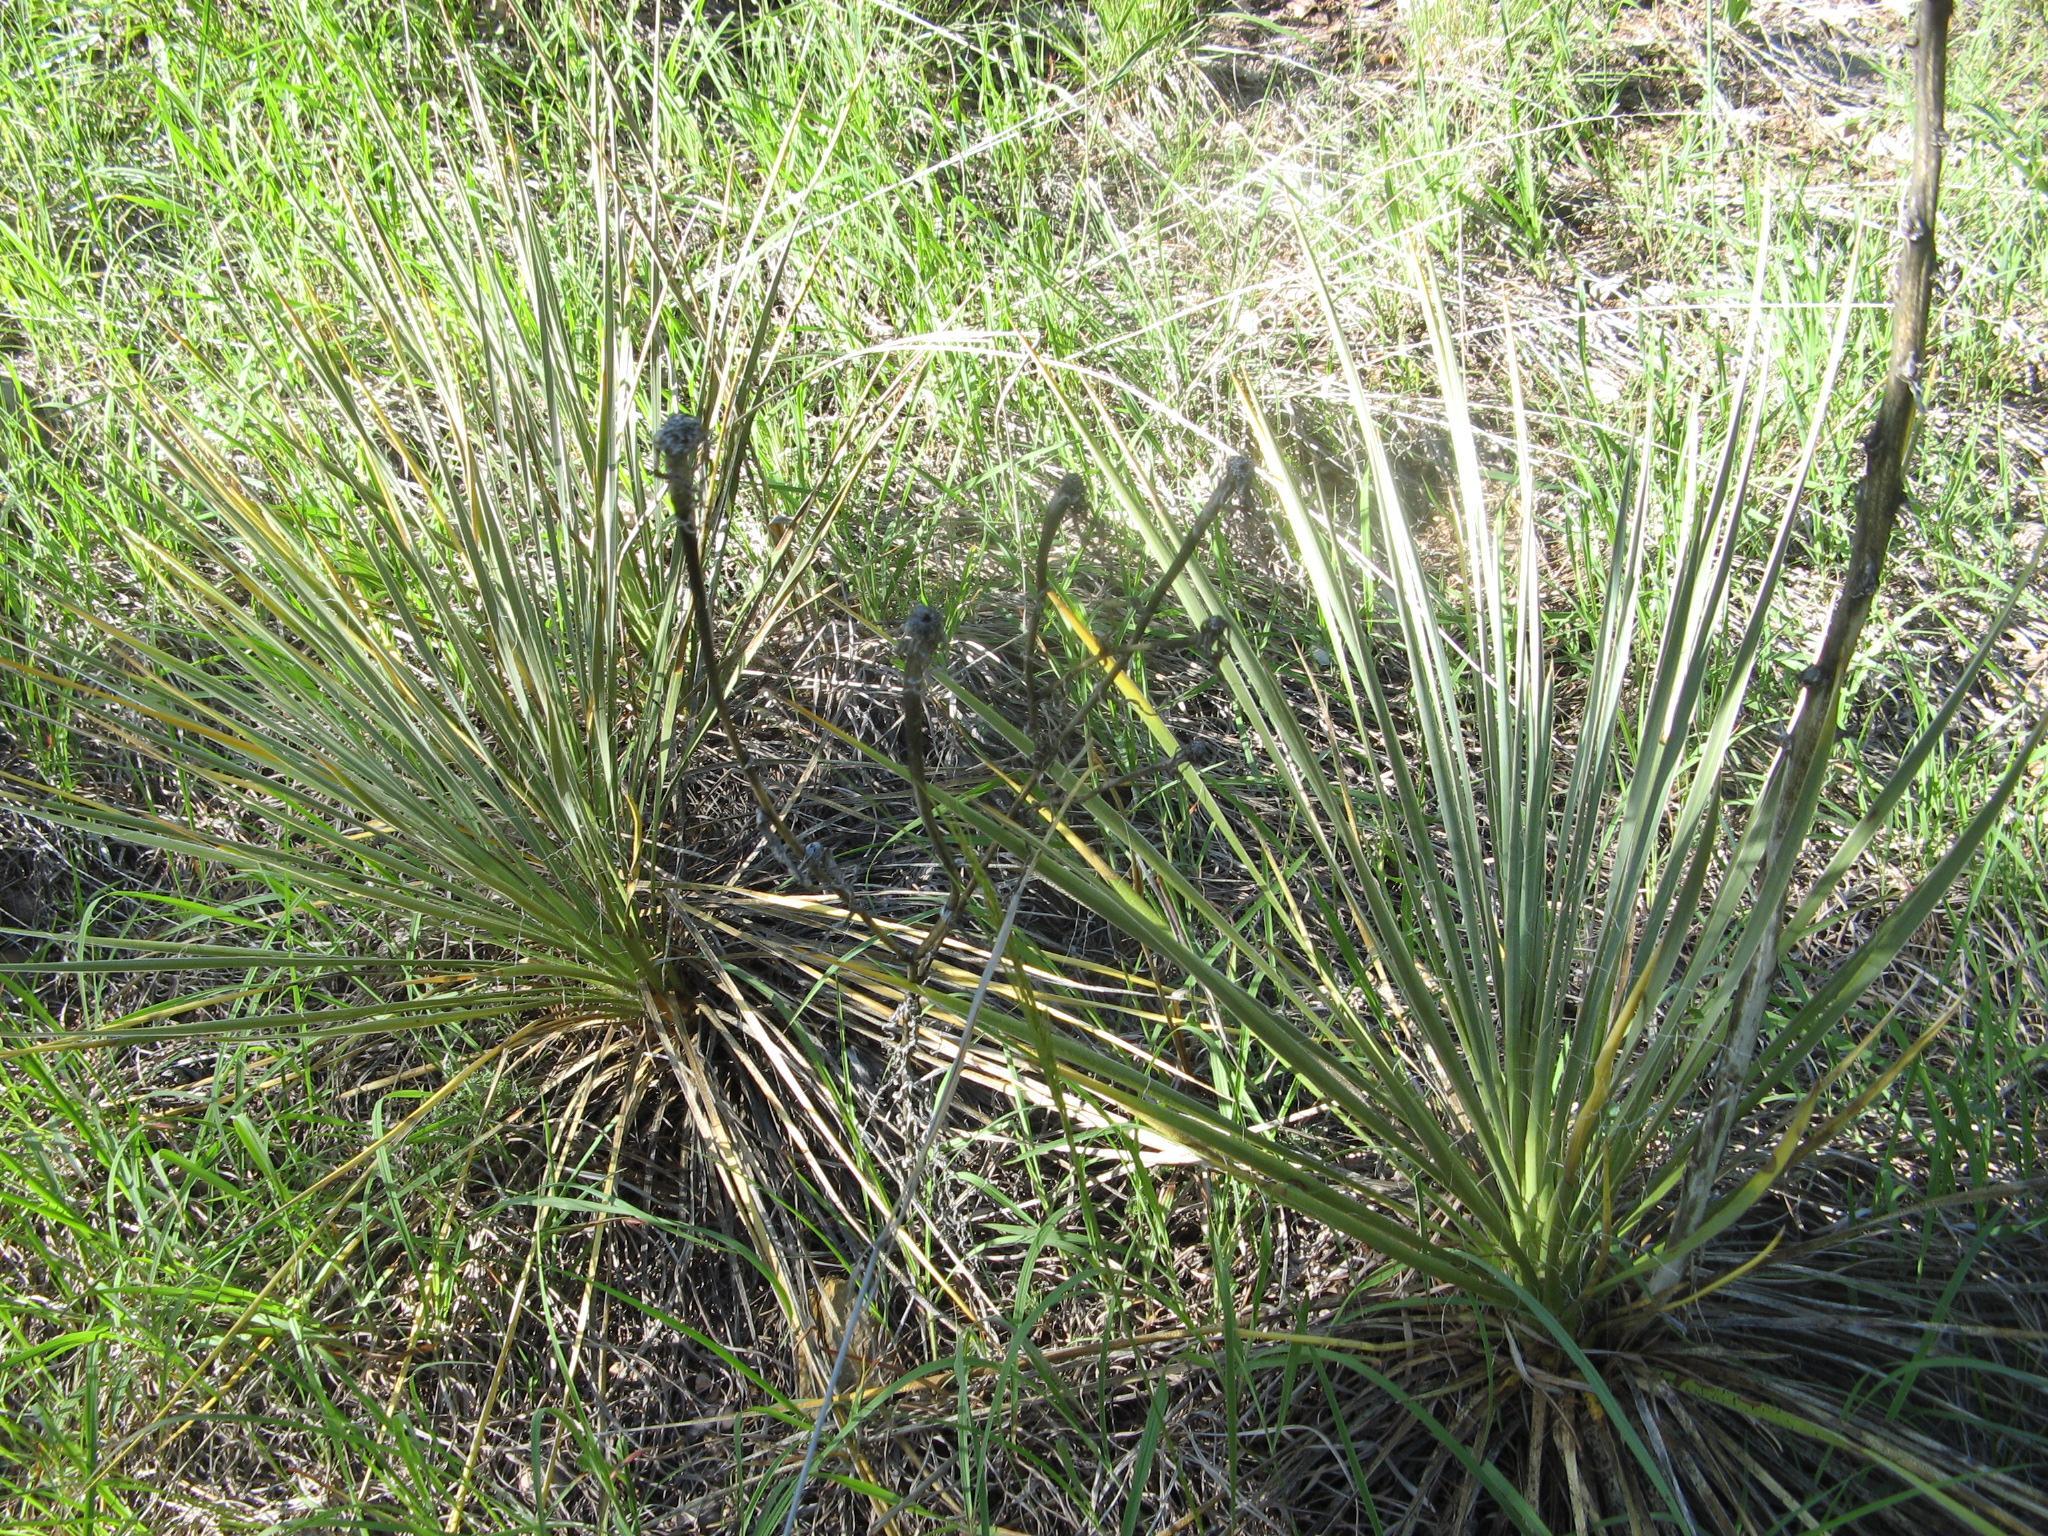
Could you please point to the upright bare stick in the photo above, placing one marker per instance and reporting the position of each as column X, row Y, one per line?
column 1879, row 496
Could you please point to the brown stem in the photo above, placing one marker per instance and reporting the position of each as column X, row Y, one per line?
column 1237, row 478
column 1070, row 494
column 1879, row 496
column 921, row 635
column 1236, row 482
column 680, row 473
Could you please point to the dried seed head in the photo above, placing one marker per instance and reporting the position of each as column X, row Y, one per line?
column 1068, row 503
column 924, row 632
column 820, row 866
column 677, row 438
column 1238, row 470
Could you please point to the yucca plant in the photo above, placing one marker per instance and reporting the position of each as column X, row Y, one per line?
column 419, row 695
column 1503, row 947
column 1522, row 963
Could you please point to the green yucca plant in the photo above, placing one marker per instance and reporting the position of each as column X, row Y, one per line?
column 1502, row 947
column 1522, row 961
column 418, row 680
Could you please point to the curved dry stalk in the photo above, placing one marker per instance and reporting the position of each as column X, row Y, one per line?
column 1070, row 495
